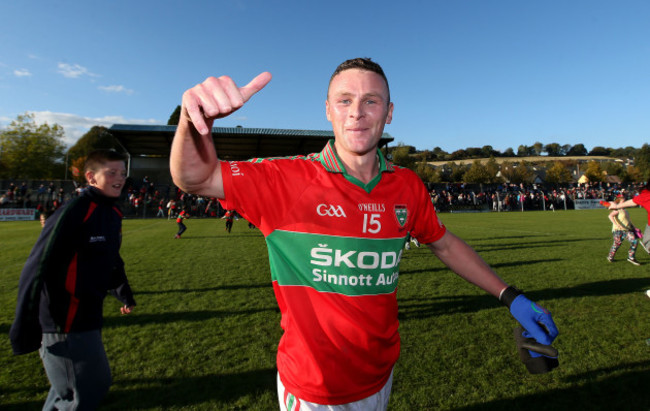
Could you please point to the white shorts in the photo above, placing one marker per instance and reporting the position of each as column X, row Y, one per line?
column 377, row 401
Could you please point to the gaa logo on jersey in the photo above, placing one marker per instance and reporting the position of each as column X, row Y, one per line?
column 330, row 210
column 401, row 214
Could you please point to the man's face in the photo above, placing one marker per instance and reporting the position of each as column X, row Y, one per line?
column 357, row 106
column 109, row 178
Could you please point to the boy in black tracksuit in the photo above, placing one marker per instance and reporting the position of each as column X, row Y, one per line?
column 72, row 266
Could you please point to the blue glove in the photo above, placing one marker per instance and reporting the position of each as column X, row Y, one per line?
column 538, row 332
column 536, row 320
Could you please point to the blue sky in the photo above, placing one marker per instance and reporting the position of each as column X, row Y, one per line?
column 463, row 73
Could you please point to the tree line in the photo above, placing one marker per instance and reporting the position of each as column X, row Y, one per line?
column 537, row 149
column 32, row 151
column 629, row 164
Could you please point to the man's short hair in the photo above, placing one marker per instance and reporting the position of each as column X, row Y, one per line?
column 360, row 63
column 98, row 158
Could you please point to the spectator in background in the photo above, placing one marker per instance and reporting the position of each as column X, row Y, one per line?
column 622, row 227
column 643, row 200
column 179, row 221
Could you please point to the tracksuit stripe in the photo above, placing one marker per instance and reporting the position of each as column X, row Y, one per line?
column 70, row 285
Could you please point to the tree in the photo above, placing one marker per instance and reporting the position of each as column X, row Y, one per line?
column 401, row 156
column 477, row 173
column 452, row 172
column 31, row 151
column 553, row 149
column 627, row 152
column 509, row 152
column 633, row 175
column 538, row 148
column 600, row 151
column 577, row 150
column 440, row 154
column 488, row 151
column 558, row 173
column 493, row 169
column 614, row 168
column 642, row 162
column 594, row 172
column 516, row 174
column 524, row 151
column 96, row 138
column 458, row 155
column 427, row 172
column 175, row 117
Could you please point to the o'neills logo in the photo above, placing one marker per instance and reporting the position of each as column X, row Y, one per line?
column 330, row 210
column 372, row 207
column 234, row 169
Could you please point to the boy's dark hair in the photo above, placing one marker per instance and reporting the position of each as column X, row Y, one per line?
column 99, row 157
column 361, row 63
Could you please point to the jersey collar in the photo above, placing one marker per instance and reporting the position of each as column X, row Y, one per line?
column 333, row 164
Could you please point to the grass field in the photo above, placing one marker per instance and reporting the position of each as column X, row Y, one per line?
column 206, row 328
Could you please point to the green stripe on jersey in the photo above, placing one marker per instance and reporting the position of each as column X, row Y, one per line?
column 350, row 266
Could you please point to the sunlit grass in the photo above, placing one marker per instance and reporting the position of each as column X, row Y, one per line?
column 205, row 331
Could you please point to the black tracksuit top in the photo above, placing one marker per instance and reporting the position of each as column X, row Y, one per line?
column 74, row 263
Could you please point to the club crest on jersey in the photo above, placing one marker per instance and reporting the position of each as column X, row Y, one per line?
column 401, row 214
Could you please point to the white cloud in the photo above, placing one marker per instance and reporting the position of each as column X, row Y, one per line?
column 22, row 73
column 76, row 126
column 74, row 70
column 116, row 89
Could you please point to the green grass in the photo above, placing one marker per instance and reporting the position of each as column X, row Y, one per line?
column 206, row 328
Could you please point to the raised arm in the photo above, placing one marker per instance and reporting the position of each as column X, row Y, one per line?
column 624, row 204
column 193, row 162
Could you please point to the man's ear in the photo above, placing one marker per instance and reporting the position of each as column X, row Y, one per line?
column 327, row 110
column 389, row 116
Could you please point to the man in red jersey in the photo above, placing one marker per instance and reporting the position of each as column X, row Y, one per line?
column 335, row 224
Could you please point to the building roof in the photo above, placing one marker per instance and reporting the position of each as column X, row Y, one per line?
column 232, row 143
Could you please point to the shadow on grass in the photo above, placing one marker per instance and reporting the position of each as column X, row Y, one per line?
column 403, row 273
column 177, row 392
column 208, row 289
column 498, row 246
column 428, row 307
column 625, row 389
column 419, row 308
column 181, row 317
column 220, row 236
column 186, row 392
column 595, row 289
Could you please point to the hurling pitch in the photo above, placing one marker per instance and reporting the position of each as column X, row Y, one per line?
column 206, row 328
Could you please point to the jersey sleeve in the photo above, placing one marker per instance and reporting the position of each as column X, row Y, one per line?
column 259, row 190
column 643, row 199
column 427, row 227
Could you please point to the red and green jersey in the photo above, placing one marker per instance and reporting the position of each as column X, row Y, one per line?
column 182, row 216
column 334, row 250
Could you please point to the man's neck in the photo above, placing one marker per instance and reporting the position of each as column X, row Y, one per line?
column 362, row 167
